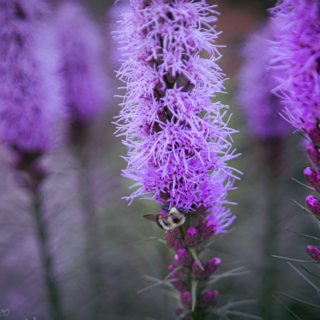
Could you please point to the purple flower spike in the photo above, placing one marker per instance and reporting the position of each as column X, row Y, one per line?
column 296, row 33
column 186, row 299
column 30, row 99
column 185, row 257
column 81, row 68
column 314, row 154
column 314, row 205
column 174, row 153
column 256, row 80
column 209, row 298
column 191, row 237
column 314, row 252
column 211, row 266
column 312, row 177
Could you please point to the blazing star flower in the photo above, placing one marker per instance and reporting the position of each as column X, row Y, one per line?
column 178, row 143
column 296, row 33
column 256, row 80
column 81, row 48
column 30, row 99
column 177, row 139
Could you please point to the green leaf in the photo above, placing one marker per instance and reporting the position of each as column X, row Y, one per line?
column 242, row 314
column 305, row 269
column 295, row 299
column 291, row 259
column 236, row 304
column 195, row 257
column 287, row 308
column 303, row 208
column 304, row 277
column 158, row 283
column 302, row 183
column 304, row 235
column 194, row 285
column 221, row 315
column 155, row 239
column 172, row 272
column 231, row 273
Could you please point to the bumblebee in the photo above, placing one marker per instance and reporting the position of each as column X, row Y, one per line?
column 175, row 218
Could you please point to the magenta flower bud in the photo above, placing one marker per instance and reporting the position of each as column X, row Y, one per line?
column 177, row 245
column 177, row 260
column 185, row 257
column 312, row 177
column 314, row 252
column 312, row 129
column 178, row 311
column 206, row 231
column 211, row 266
column 196, row 272
column 191, row 237
column 181, row 286
column 314, row 205
column 171, row 267
column 186, row 299
column 209, row 298
column 314, row 154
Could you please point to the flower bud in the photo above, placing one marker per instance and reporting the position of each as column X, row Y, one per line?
column 314, row 205
column 313, row 131
column 171, row 236
column 177, row 245
column 191, row 237
column 181, row 286
column 171, row 267
column 184, row 256
column 314, row 252
column 211, row 266
column 314, row 154
column 312, row 177
column 186, row 299
column 196, row 272
column 209, row 298
column 206, row 230
column 178, row 311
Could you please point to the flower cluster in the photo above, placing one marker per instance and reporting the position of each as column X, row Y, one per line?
column 256, row 80
column 297, row 34
column 80, row 47
column 30, row 98
column 178, row 141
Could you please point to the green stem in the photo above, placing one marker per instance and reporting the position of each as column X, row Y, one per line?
column 54, row 295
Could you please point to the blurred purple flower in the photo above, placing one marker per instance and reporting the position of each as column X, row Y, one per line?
column 177, row 139
column 314, row 252
column 256, row 80
column 30, row 99
column 297, row 34
column 81, row 68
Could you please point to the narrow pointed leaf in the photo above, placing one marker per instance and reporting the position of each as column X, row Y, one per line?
column 296, row 299
column 221, row 315
column 172, row 272
column 304, row 277
column 305, row 269
column 287, row 308
column 302, row 207
column 195, row 257
column 291, row 259
column 304, row 235
column 231, row 273
column 236, row 304
column 153, row 239
column 194, row 286
column 156, row 285
column 302, row 183
column 242, row 314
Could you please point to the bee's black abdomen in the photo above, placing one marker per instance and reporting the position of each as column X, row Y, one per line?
column 159, row 222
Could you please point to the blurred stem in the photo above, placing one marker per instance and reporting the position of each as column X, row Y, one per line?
column 272, row 155
column 29, row 163
column 79, row 135
column 47, row 259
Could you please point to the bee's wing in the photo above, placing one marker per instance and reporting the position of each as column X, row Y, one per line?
column 151, row 217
